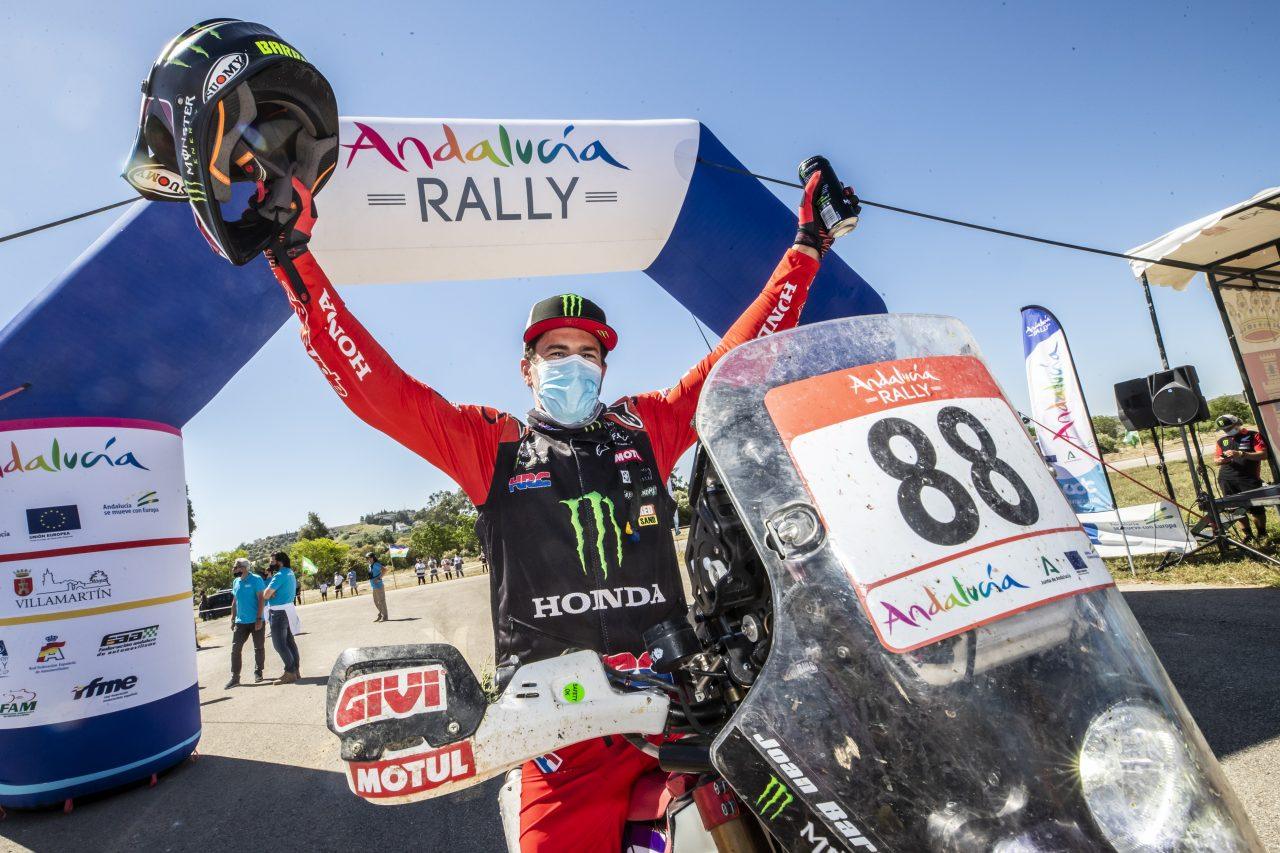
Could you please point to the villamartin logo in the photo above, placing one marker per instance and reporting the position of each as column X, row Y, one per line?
column 506, row 150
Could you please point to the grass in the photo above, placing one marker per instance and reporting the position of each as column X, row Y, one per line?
column 1207, row 567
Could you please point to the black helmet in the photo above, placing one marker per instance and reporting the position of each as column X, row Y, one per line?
column 230, row 102
column 1226, row 422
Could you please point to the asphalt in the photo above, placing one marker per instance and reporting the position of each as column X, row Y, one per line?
column 267, row 776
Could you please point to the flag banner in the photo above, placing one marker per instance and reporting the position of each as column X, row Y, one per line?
column 1154, row 528
column 308, row 566
column 399, row 551
column 1058, row 403
column 1255, row 319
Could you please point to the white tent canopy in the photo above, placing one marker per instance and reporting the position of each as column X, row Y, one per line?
column 1251, row 224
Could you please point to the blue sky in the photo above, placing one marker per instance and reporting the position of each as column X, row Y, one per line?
column 1095, row 122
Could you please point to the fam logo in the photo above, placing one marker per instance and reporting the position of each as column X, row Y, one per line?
column 223, row 72
column 141, row 503
column 390, row 695
column 896, row 386
column 95, row 587
column 17, row 703
column 57, row 459
column 52, row 522
column 108, row 689
column 520, row 482
column 128, row 641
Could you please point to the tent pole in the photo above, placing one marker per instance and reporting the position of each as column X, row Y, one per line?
column 1155, row 323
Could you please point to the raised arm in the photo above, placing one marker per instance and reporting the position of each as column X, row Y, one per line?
column 460, row 440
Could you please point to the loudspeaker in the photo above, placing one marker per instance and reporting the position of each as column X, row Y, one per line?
column 1176, row 397
column 1133, row 400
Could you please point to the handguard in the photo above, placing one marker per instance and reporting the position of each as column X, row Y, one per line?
column 415, row 724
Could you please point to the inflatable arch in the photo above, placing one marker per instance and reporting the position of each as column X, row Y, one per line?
column 97, row 664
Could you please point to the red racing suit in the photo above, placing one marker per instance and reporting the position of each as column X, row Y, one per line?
column 576, row 524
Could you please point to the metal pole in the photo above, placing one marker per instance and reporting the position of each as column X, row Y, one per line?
column 1155, row 323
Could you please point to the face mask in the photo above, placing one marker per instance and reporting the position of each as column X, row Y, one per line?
column 568, row 389
column 1233, row 431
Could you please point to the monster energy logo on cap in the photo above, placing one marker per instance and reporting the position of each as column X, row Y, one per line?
column 776, row 796
column 571, row 304
column 596, row 504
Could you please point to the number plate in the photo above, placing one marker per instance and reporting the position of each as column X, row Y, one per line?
column 934, row 498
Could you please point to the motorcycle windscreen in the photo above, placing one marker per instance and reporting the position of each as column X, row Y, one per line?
column 951, row 666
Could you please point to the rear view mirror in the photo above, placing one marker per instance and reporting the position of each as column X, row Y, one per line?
column 392, row 697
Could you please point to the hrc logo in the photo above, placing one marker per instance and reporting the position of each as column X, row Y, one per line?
column 539, row 480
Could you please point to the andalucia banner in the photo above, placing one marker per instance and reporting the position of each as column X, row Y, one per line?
column 1057, row 404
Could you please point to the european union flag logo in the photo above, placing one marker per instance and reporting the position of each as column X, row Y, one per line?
column 53, row 519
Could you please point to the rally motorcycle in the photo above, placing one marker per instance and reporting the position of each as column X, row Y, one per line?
column 899, row 637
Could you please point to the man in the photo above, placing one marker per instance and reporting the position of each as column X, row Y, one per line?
column 278, row 595
column 352, row 582
column 324, row 590
column 247, row 622
column 420, row 569
column 435, row 569
column 375, row 584
column 457, row 565
column 337, row 584
column 571, row 505
column 1238, row 455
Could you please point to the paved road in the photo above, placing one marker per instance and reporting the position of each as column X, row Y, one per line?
column 1219, row 646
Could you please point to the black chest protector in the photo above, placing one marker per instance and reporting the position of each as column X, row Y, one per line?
column 577, row 529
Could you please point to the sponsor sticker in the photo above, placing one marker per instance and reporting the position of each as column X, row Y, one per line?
column 127, row 641
column 390, row 695
column 411, row 774
column 223, row 72
column 937, row 503
column 52, row 522
column 17, row 703
column 520, row 482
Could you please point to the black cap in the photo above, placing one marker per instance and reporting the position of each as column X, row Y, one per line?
column 569, row 310
column 1228, row 421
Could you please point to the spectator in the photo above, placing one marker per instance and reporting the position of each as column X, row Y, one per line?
column 279, row 594
column 420, row 569
column 447, row 565
column 297, row 595
column 337, row 583
column 247, row 621
column 324, row 590
column 484, row 562
column 351, row 582
column 457, row 565
column 435, row 569
column 375, row 584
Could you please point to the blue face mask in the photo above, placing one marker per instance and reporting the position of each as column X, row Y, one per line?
column 568, row 389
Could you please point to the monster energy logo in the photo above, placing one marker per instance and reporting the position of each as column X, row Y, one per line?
column 571, row 305
column 775, row 796
column 597, row 503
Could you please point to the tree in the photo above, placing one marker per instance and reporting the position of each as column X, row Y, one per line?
column 191, row 515
column 210, row 574
column 327, row 555
column 1107, row 425
column 314, row 528
column 1230, row 404
column 431, row 539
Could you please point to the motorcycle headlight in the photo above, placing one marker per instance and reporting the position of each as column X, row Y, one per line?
column 1137, row 779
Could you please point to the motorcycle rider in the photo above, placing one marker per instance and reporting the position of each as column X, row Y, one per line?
column 573, row 513
column 572, row 509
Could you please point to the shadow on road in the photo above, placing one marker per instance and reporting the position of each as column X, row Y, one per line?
column 1221, row 651
column 261, row 806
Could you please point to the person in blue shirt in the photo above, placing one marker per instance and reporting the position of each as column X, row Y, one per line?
column 246, row 620
column 277, row 596
column 375, row 584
